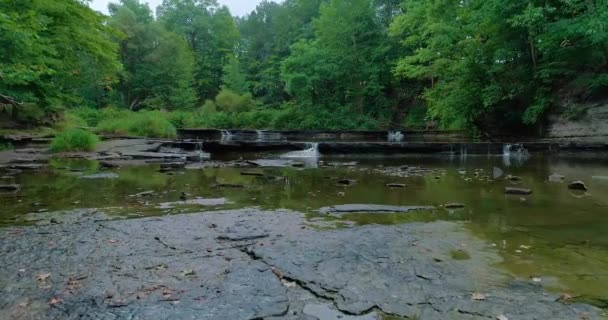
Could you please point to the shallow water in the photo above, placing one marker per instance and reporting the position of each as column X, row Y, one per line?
column 555, row 235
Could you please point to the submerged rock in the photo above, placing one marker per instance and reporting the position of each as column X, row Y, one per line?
column 371, row 208
column 346, row 182
column 577, row 185
column 518, row 191
column 497, row 173
column 454, row 206
column 251, row 173
column 101, row 176
column 556, row 178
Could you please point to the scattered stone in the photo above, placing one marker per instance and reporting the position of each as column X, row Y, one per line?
column 454, row 206
column 170, row 166
column 108, row 165
column 101, row 176
column 513, row 178
column 198, row 202
column 577, row 185
column 143, row 194
column 518, row 191
column 346, row 182
column 370, row 208
column 251, row 173
column 497, row 173
column 556, row 178
column 396, row 185
column 229, row 185
column 9, row 187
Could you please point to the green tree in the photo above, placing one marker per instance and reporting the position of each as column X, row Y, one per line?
column 158, row 65
column 212, row 35
column 53, row 50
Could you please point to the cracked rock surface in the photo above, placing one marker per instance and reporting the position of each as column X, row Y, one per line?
column 253, row 264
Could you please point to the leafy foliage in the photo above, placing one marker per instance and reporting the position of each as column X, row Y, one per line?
column 483, row 65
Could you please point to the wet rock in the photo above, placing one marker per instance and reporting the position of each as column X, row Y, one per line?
column 274, row 163
column 143, row 194
column 518, row 191
column 198, row 202
column 228, row 186
column 9, row 187
column 242, row 237
column 577, row 185
column 25, row 166
column 556, row 178
column 170, row 166
column 108, row 165
column 513, row 178
column 454, row 206
column 497, row 173
column 396, row 185
column 252, row 173
column 363, row 268
column 346, row 182
column 370, row 208
column 101, row 176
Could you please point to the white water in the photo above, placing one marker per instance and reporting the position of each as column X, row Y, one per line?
column 199, row 150
column 226, row 135
column 311, row 151
column 395, row 136
column 514, row 152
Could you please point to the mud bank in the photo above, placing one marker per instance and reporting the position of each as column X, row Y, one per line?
column 252, row 264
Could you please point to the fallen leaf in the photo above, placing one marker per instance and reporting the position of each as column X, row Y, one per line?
column 288, row 284
column 43, row 276
column 55, row 301
column 188, row 273
column 565, row 296
column 22, row 270
column 478, row 296
column 113, row 241
column 277, row 272
column 536, row 279
column 501, row 317
column 25, row 303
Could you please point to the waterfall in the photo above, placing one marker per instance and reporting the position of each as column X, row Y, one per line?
column 395, row 136
column 509, row 150
column 260, row 135
column 226, row 135
column 311, row 151
column 268, row 136
column 516, row 152
column 199, row 151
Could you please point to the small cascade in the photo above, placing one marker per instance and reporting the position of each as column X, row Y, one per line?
column 226, row 135
column 395, row 136
column 509, row 150
column 311, row 151
column 516, row 152
column 260, row 135
column 199, row 151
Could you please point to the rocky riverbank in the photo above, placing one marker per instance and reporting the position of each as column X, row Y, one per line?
column 253, row 264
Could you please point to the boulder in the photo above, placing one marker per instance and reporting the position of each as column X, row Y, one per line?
column 518, row 191
column 577, row 185
column 396, row 185
column 454, row 206
column 497, row 173
column 556, row 178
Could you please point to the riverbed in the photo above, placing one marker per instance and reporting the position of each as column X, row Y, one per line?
column 269, row 212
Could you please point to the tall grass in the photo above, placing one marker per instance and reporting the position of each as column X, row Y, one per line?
column 150, row 124
column 74, row 140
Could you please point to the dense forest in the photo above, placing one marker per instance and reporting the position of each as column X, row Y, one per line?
column 480, row 65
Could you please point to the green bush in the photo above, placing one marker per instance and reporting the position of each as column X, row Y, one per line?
column 230, row 101
column 4, row 146
column 152, row 124
column 74, row 140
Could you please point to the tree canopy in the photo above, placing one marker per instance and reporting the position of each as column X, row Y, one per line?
column 481, row 65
